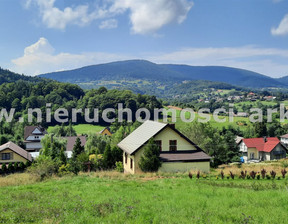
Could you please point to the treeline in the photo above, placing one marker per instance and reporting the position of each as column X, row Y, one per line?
column 22, row 95
column 7, row 76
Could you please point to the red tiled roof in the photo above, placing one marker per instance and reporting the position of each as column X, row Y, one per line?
column 260, row 144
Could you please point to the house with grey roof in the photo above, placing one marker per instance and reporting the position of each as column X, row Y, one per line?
column 32, row 138
column 177, row 152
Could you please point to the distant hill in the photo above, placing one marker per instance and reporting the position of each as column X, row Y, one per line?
column 283, row 80
column 145, row 70
column 8, row 76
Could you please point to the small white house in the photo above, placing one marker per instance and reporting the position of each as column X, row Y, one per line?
column 32, row 138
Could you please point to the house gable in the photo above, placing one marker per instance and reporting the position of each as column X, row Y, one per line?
column 17, row 154
column 167, row 134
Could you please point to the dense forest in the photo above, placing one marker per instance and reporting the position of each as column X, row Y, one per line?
column 22, row 94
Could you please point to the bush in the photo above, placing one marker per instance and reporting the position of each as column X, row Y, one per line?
column 44, row 167
column 222, row 174
column 243, row 174
column 283, row 172
column 16, row 167
column 232, row 175
column 10, row 167
column 273, row 174
column 64, row 170
column 119, row 167
column 263, row 173
column 253, row 174
column 22, row 166
column 4, row 169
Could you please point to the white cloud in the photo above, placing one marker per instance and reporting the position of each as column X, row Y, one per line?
column 267, row 61
column 40, row 58
column 282, row 29
column 55, row 18
column 149, row 16
column 109, row 24
column 145, row 16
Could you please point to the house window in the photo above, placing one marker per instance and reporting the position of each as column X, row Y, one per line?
column 126, row 158
column 173, row 145
column 159, row 144
column 252, row 155
column 6, row 156
column 131, row 164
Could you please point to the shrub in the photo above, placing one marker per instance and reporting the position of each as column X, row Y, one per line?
column 22, row 166
column 198, row 175
column 222, row 174
column 232, row 175
column 283, row 172
column 190, row 175
column 243, row 174
column 268, row 177
column 248, row 177
column 253, row 174
column 4, row 169
column 64, row 170
column 258, row 176
column 10, row 167
column 44, row 167
column 16, row 167
column 273, row 174
column 263, row 173
column 119, row 167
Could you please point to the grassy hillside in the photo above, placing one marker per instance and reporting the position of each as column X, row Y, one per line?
column 118, row 198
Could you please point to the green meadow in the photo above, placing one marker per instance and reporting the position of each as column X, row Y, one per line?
column 84, row 128
column 120, row 198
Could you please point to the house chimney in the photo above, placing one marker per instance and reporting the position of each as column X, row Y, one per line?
column 172, row 126
column 265, row 139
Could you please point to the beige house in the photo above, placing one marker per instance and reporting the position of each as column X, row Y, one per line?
column 12, row 153
column 178, row 153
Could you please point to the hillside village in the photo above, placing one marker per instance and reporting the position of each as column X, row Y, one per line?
column 175, row 151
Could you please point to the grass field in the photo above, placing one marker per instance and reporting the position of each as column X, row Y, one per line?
column 84, row 128
column 119, row 198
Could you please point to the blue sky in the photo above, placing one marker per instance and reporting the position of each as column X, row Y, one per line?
column 39, row 36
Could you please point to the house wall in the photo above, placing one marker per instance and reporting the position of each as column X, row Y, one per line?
column 168, row 134
column 16, row 157
column 253, row 150
column 33, row 145
column 284, row 140
column 278, row 152
column 34, row 138
column 106, row 132
column 185, row 167
column 127, row 166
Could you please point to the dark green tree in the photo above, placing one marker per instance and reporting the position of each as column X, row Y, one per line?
column 108, row 159
column 150, row 160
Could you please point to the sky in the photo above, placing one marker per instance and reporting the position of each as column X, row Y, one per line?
column 40, row 36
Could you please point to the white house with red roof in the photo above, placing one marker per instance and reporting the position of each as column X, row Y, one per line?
column 262, row 149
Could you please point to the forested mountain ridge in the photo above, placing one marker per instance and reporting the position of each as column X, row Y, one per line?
column 142, row 70
column 8, row 76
